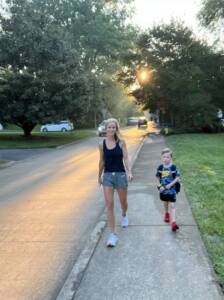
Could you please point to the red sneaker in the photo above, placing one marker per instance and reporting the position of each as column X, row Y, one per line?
column 166, row 217
column 174, row 226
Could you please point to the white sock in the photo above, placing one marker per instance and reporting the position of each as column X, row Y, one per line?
column 173, row 212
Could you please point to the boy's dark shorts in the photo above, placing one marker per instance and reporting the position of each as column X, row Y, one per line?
column 167, row 198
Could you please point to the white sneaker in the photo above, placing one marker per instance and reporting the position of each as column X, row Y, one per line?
column 124, row 222
column 112, row 240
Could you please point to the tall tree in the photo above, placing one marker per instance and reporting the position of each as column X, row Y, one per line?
column 32, row 50
column 184, row 72
column 104, row 37
column 212, row 11
column 57, row 44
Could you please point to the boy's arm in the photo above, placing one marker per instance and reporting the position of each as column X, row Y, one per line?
column 160, row 187
column 177, row 179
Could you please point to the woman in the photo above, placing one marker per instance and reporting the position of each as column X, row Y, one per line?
column 115, row 168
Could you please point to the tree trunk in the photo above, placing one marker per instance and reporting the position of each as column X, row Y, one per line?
column 27, row 129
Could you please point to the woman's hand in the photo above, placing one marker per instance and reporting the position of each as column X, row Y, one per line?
column 99, row 180
column 130, row 176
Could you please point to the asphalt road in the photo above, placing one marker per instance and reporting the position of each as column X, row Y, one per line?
column 21, row 154
column 49, row 205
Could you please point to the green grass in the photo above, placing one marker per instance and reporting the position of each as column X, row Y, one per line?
column 12, row 127
column 2, row 163
column 42, row 140
column 200, row 158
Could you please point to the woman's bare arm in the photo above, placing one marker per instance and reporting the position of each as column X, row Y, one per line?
column 126, row 161
column 101, row 163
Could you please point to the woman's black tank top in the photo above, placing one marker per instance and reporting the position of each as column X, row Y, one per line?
column 113, row 158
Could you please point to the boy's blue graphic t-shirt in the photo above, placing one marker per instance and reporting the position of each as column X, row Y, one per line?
column 166, row 177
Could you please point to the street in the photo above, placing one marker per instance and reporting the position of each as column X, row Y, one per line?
column 49, row 205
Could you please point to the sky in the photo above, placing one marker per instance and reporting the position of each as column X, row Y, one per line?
column 152, row 12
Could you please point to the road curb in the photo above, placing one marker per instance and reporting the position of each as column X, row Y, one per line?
column 67, row 145
column 73, row 280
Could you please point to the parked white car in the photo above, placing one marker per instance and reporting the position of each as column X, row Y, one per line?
column 1, row 127
column 62, row 126
column 101, row 129
column 132, row 121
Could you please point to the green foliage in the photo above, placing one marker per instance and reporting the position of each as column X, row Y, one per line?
column 185, row 87
column 53, row 55
column 212, row 11
column 211, row 16
column 115, row 103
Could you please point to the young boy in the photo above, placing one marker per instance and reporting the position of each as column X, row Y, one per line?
column 167, row 175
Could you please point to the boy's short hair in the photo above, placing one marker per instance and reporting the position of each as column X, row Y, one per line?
column 167, row 150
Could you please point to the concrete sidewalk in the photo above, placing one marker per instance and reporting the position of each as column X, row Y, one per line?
column 150, row 262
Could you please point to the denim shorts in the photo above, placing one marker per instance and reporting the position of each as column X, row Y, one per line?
column 116, row 180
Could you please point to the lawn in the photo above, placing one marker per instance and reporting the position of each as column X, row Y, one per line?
column 15, row 140
column 3, row 163
column 200, row 158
